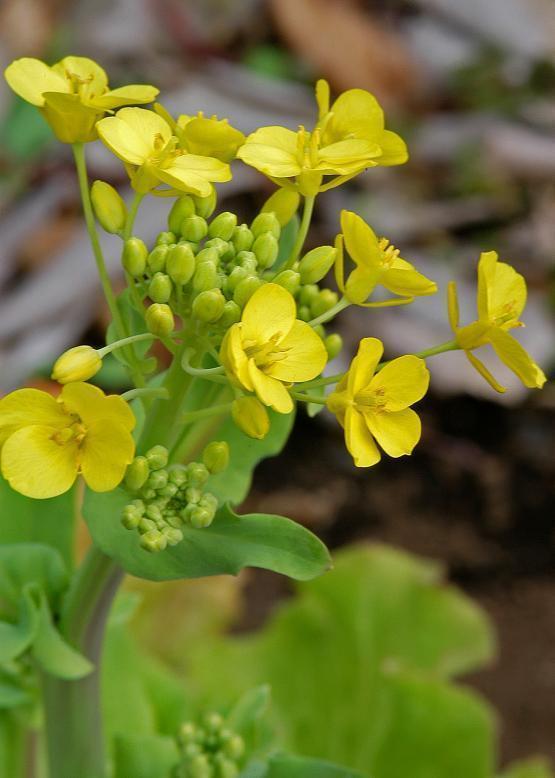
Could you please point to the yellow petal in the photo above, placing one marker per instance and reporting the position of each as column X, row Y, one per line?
column 507, row 297
column 29, row 406
column 453, row 305
column 131, row 133
column 71, row 120
column 486, row 276
column 132, row 94
column 195, row 173
column 356, row 111
column 30, row 78
column 394, row 149
column 269, row 313
column 322, row 91
column 272, row 150
column 269, row 390
column 397, row 433
column 364, row 365
column 408, row 282
column 402, row 382
column 359, row 441
column 305, row 355
column 517, row 359
column 484, row 372
column 35, row 465
column 346, row 156
column 91, row 77
column 212, row 138
column 234, row 358
column 361, row 283
column 360, row 240
column 106, row 451
column 473, row 335
column 91, row 404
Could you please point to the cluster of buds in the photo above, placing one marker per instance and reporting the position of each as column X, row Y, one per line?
column 166, row 499
column 209, row 749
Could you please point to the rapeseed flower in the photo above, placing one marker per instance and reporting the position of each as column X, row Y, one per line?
column 377, row 263
column 143, row 140
column 206, row 136
column 269, row 349
column 501, row 299
column 46, row 442
column 73, row 94
column 374, row 406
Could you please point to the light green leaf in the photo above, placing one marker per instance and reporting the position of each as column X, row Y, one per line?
column 16, row 638
column 144, row 756
column 227, row 546
column 287, row 241
column 22, row 564
column 247, row 717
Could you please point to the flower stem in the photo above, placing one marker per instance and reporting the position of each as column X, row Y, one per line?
column 154, row 391
column 309, row 398
column 124, row 342
column 302, row 233
column 205, row 413
column 324, row 317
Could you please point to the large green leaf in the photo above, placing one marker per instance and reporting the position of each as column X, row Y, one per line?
column 228, row 545
column 51, row 522
column 145, row 756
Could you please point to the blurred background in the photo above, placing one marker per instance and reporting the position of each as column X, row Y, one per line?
column 471, row 87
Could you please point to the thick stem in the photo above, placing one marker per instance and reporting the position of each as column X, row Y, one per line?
column 74, row 731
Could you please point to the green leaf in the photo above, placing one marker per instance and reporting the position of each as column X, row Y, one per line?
column 247, row 718
column 287, row 241
column 12, row 691
column 51, row 522
column 135, row 325
column 144, row 756
column 16, row 638
column 227, row 546
column 285, row 766
column 529, row 768
column 22, row 564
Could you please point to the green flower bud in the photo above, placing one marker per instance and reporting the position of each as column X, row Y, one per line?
column 160, row 288
column 138, row 505
column 187, row 733
column 193, row 495
column 197, row 473
column 325, row 300
column 159, row 320
column 134, row 257
column 333, row 344
column 266, row 222
column 231, row 314
column 303, row 313
column 247, row 260
column 146, row 525
column 205, row 277
column 77, row 364
column 266, row 249
column 153, row 513
column 153, row 541
column 173, row 535
column 234, row 747
column 223, row 225
column 208, row 306
column 245, row 290
column 308, row 294
column 210, row 501
column 147, row 493
column 173, row 519
column 284, row 204
column 165, row 239
column 251, row 416
column 157, row 457
column 226, row 768
column 200, row 518
column 242, row 238
column 181, row 209
column 212, row 721
column 236, row 275
column 180, row 264
column 178, row 475
column 289, row 279
column 209, row 254
column 170, row 490
column 109, row 208
column 320, row 330
column 158, row 479
column 130, row 518
column 194, row 228
column 199, row 767
column 137, row 473
column 205, row 206
column 190, row 750
column 316, row 264
column 216, row 456
column 221, row 246
column 156, row 260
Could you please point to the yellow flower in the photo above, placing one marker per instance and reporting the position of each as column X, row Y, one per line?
column 73, row 94
column 377, row 262
column 501, row 300
column 46, row 442
column 77, row 364
column 348, row 138
column 374, row 406
column 270, row 349
column 143, row 140
column 251, row 417
column 211, row 137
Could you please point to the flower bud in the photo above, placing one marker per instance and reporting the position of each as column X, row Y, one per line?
column 251, row 416
column 221, row 246
column 289, row 279
column 200, row 518
column 158, row 479
column 156, row 260
column 316, row 264
column 208, row 306
column 266, row 249
column 226, row 767
column 325, row 300
column 181, row 209
column 173, row 535
column 245, row 290
column 223, row 225
column 180, row 264
column 165, row 239
column 284, row 204
column 234, row 747
column 247, row 260
column 266, row 222
column 137, row 473
column 187, row 733
column 216, row 456
column 308, row 294
column 109, row 208
column 157, row 457
column 134, row 257
column 199, row 767
column 160, row 288
column 209, row 254
column 303, row 313
column 205, row 206
column 153, row 541
column 242, row 238
column 77, row 364
column 159, row 319
column 236, row 275
column 205, row 277
column 130, row 517
column 333, row 344
column 231, row 314
column 194, row 228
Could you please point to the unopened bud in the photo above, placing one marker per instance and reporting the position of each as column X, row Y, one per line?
column 181, row 209
column 130, row 518
column 158, row 479
column 77, row 364
column 199, row 767
column 247, row 260
column 242, row 238
column 160, row 288
column 178, row 475
column 153, row 541
column 324, row 302
column 236, row 275
column 137, row 473
column 251, row 416
column 109, row 208
column 316, row 264
column 173, row 535
column 194, row 228
column 230, row 315
column 266, row 222
column 226, row 767
column 180, row 264
column 156, row 260
column 223, row 225
column 209, row 254
column 289, row 279
column 216, row 456
column 187, row 733
column 197, row 473
column 234, row 747
column 205, row 206
column 157, row 457
column 333, row 344
column 221, row 246
column 205, row 277
column 245, row 290
column 200, row 518
column 284, row 203
column 303, row 313
column 166, row 238
column 134, row 257
column 266, row 248
column 308, row 294
column 208, row 306
column 159, row 319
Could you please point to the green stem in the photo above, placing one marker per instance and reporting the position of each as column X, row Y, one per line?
column 124, row 342
column 324, row 381
column 302, row 233
column 324, row 317
column 74, row 732
column 450, row 345
column 153, row 392
column 309, row 398
column 132, row 215
column 204, row 413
